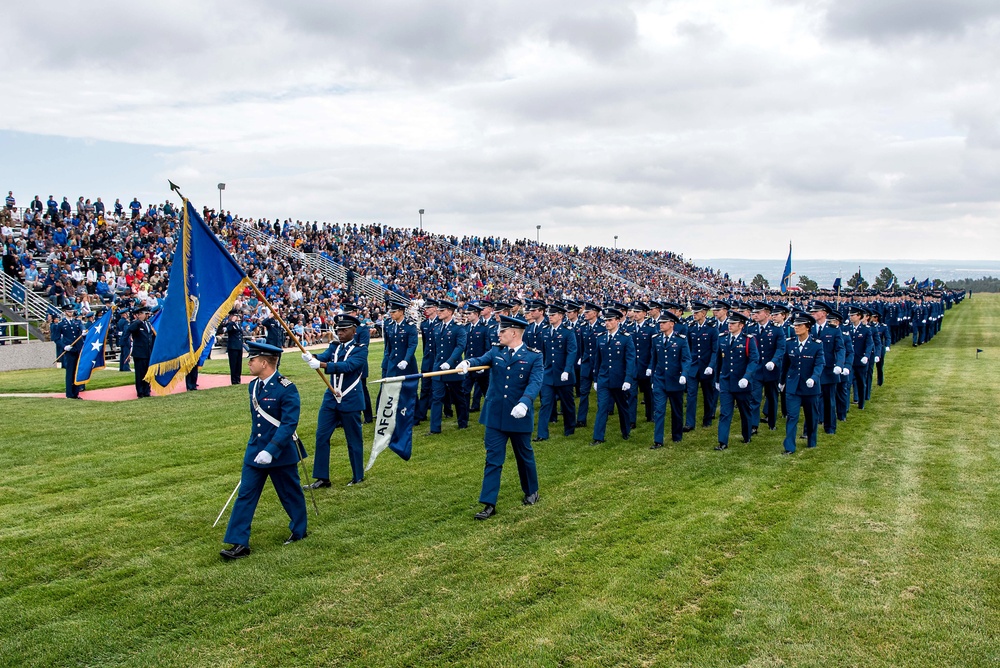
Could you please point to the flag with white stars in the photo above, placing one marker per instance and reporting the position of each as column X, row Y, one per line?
column 92, row 355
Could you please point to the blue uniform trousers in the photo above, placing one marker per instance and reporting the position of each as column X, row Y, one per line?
column 756, row 398
column 860, row 375
column 811, row 405
column 496, row 452
column 728, row 402
column 583, row 390
column 424, row 399
column 843, row 397
column 142, row 388
column 548, row 396
column 708, row 399
column 660, row 399
column 70, row 361
column 606, row 400
column 771, row 403
column 829, row 407
column 870, row 371
column 645, row 385
column 123, row 354
column 477, row 384
column 289, row 488
column 235, row 366
column 451, row 394
column 331, row 417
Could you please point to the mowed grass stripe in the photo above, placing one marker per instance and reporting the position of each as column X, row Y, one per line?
column 676, row 556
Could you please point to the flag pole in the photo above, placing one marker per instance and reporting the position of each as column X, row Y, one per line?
column 72, row 344
column 429, row 374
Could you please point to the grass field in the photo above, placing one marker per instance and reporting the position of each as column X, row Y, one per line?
column 879, row 548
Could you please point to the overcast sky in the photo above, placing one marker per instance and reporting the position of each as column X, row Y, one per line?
column 854, row 128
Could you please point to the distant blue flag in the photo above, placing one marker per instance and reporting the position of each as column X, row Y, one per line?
column 205, row 282
column 891, row 284
column 394, row 418
column 92, row 354
column 786, row 276
column 836, row 284
column 912, row 281
column 924, row 284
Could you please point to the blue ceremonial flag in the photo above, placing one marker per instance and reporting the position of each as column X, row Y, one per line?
column 892, row 283
column 786, row 276
column 394, row 418
column 836, row 284
column 924, row 284
column 205, row 282
column 912, row 281
column 92, row 355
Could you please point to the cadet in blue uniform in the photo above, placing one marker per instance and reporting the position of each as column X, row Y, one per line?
column 771, row 342
column 449, row 347
column 70, row 342
column 516, row 380
column 233, row 330
column 843, row 392
column 883, row 328
column 802, row 371
column 345, row 361
column 643, row 330
column 586, row 343
column 614, row 365
column 862, row 340
column 779, row 314
column 834, row 356
column 124, row 341
column 737, row 363
column 559, row 377
column 535, row 317
column 274, row 333
column 877, row 346
column 362, row 337
column 427, row 328
column 703, row 340
column 477, row 342
column 400, row 336
column 272, row 451
column 670, row 365
column 142, row 337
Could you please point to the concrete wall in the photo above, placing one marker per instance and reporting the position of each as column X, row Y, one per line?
column 28, row 355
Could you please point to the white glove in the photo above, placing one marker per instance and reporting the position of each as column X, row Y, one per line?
column 595, row 387
column 682, row 380
column 810, row 382
column 708, row 371
column 564, row 377
column 314, row 363
column 463, row 367
column 649, row 372
column 781, row 387
column 769, row 366
column 626, row 387
column 837, row 371
column 519, row 411
column 743, row 383
column 925, row 321
column 864, row 360
column 402, row 365
column 887, row 349
column 67, row 347
column 877, row 359
column 846, row 371
column 445, row 366
column 717, row 388
column 263, row 457
column 579, row 362
column 307, row 357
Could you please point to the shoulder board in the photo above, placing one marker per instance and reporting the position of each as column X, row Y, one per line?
column 534, row 350
column 285, row 382
column 626, row 334
column 750, row 336
column 683, row 336
column 789, row 338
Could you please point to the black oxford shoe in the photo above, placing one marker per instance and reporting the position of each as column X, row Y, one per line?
column 294, row 539
column 656, row 446
column 596, row 442
column 538, row 440
column 320, row 482
column 488, row 511
column 530, row 499
column 721, row 446
column 687, row 429
column 235, row 552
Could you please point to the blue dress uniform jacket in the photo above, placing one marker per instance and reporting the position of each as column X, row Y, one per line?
column 863, row 348
column 704, row 344
column 559, row 356
column 345, row 364
column 738, row 358
column 833, row 351
column 771, row 343
column 280, row 399
column 142, row 347
column 274, row 333
column 400, row 346
column 533, row 335
column 586, row 341
column 614, row 364
column 449, row 347
column 799, row 366
column 69, row 331
column 670, row 360
column 427, row 335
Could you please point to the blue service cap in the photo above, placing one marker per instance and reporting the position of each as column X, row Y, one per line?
column 735, row 316
column 818, row 305
column 699, row 306
column 555, row 308
column 502, row 306
column 345, row 321
column 802, row 318
column 572, row 305
column 612, row 313
column 591, row 306
column 835, row 315
column 534, row 305
column 856, row 309
column 444, row 303
column 255, row 349
column 639, row 306
column 430, row 303
column 761, row 306
column 473, row 307
column 395, row 305
column 720, row 304
column 510, row 322
column 348, row 306
column 778, row 307
column 668, row 316
column 671, row 305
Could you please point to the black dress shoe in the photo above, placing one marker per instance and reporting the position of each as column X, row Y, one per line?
column 633, row 426
column 596, row 442
column 721, row 446
column 687, row 429
column 530, row 499
column 569, row 433
column 488, row 511
column 294, row 539
column 538, row 440
column 318, row 483
column 656, row 446
column 706, row 425
column 625, row 437
column 746, row 440
column 235, row 552
column 786, row 452
column 355, row 482
column 753, row 431
column 581, row 425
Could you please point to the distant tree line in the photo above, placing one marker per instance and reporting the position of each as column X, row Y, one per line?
column 984, row 284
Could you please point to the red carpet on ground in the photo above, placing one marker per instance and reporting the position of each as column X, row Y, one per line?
column 206, row 381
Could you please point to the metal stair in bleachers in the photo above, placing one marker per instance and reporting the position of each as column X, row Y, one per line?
column 701, row 285
column 506, row 272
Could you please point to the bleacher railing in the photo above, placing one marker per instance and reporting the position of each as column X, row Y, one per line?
column 21, row 299
column 506, row 272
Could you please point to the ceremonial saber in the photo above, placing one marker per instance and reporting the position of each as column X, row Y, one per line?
column 429, row 374
column 227, row 502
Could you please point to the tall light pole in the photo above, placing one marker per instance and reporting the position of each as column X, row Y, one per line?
column 222, row 186
column 616, row 242
column 421, row 212
column 538, row 233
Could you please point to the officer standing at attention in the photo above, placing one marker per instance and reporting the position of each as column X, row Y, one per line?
column 771, row 342
column 507, row 415
column 478, row 342
column 142, row 347
column 535, row 316
column 272, row 451
column 643, row 330
column 802, row 371
column 400, row 337
column 559, row 377
column 233, row 330
column 834, row 357
column 274, row 333
column 427, row 329
column 124, row 341
column 586, row 341
column 862, row 340
column 71, row 342
column 738, row 362
column 670, row 363
column 614, row 365
column 362, row 337
column 703, row 339
column 843, row 391
column 344, row 361
column 449, row 347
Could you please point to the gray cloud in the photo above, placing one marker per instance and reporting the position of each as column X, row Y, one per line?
column 892, row 19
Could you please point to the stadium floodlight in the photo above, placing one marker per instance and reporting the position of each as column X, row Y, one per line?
column 222, row 186
column 538, row 232
column 616, row 242
column 421, row 212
